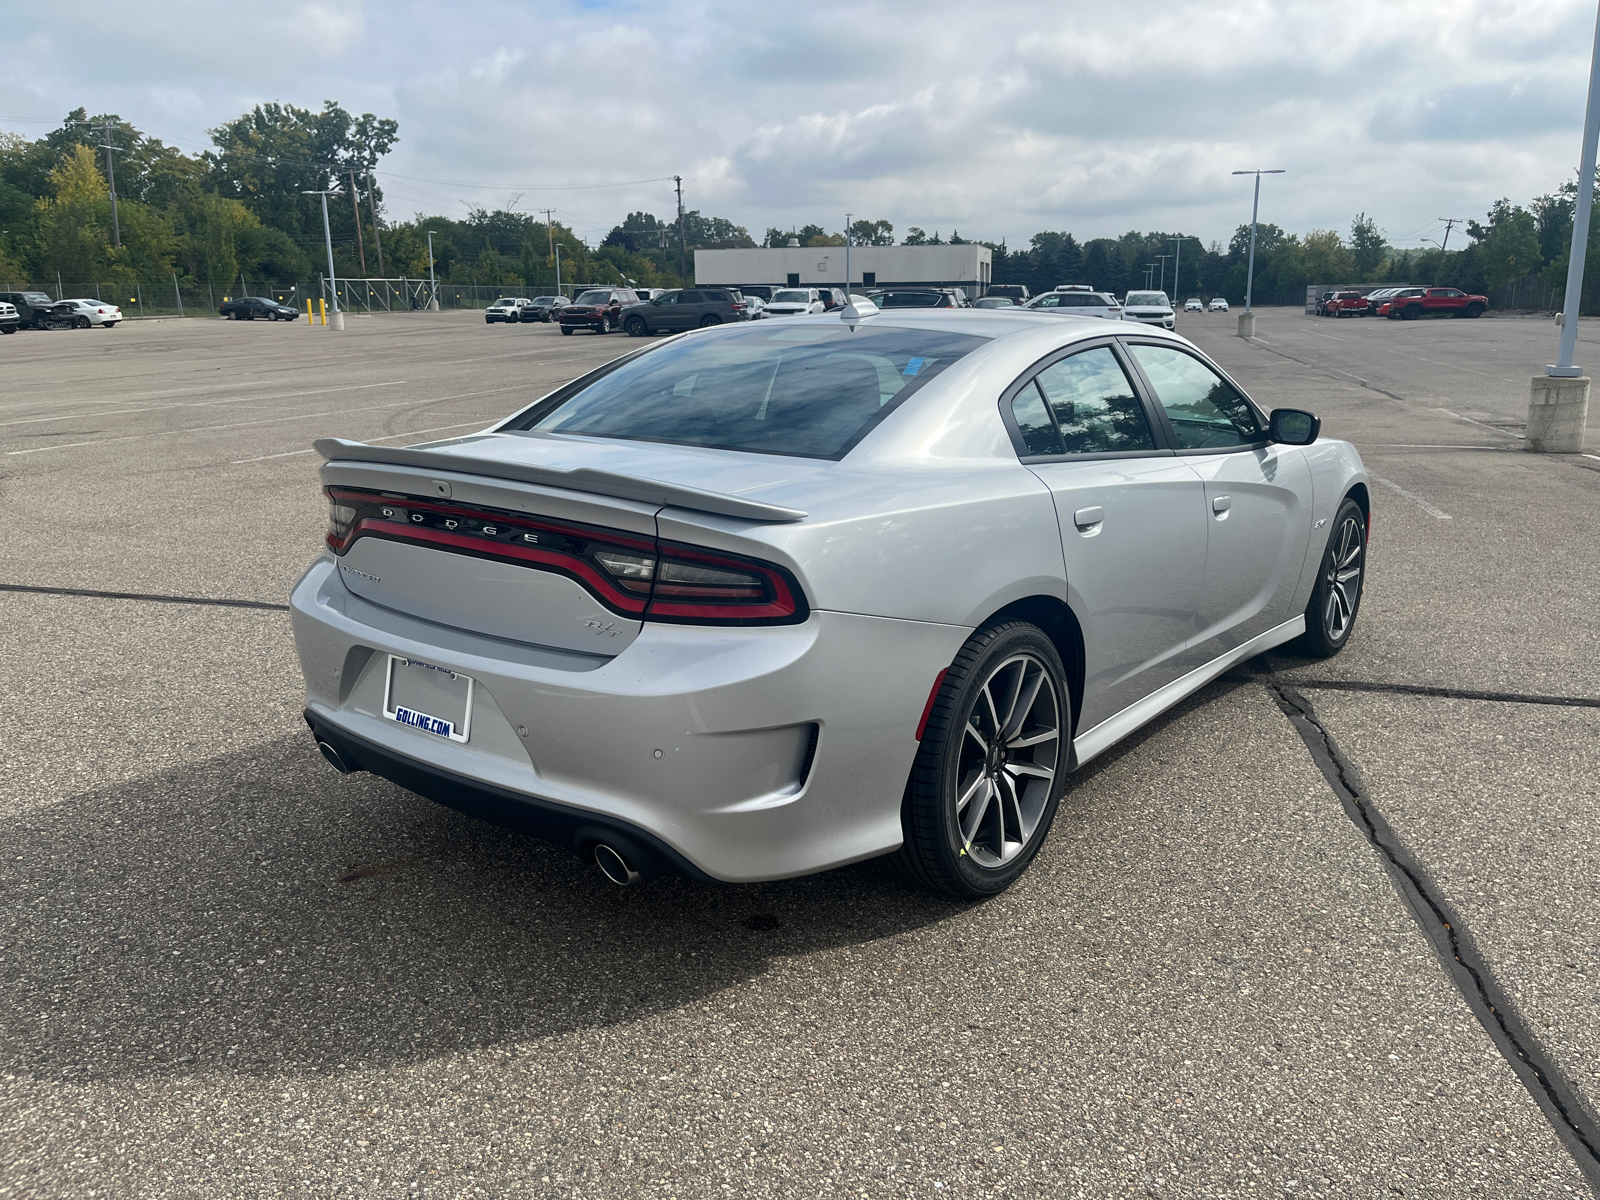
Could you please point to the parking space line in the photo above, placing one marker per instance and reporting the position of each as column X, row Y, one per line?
column 1413, row 497
column 386, row 437
column 355, row 387
column 331, row 412
column 1481, row 424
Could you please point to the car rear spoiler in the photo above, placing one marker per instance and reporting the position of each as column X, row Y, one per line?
column 581, row 479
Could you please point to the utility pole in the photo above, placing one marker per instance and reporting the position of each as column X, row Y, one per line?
column 1558, row 402
column 433, row 280
column 333, row 281
column 356, row 209
column 550, row 233
column 111, row 181
column 847, row 256
column 1247, row 319
column 1449, row 224
column 1178, row 263
column 683, row 238
column 372, row 202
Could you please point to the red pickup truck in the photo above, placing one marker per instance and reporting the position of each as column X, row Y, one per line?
column 1413, row 303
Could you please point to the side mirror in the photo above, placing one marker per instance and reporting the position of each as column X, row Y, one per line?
column 1293, row 427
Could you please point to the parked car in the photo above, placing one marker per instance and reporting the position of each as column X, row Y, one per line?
column 30, row 307
column 686, row 308
column 1192, row 304
column 599, row 309
column 256, row 308
column 1149, row 308
column 789, row 302
column 755, row 306
column 1016, row 291
column 997, row 302
column 506, row 310
column 1323, row 301
column 1218, row 304
column 542, row 308
column 10, row 321
column 919, row 298
column 1436, row 302
column 1075, row 300
column 763, row 290
column 98, row 313
column 1348, row 303
column 728, row 617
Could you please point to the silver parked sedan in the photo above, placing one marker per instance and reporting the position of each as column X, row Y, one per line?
column 762, row 600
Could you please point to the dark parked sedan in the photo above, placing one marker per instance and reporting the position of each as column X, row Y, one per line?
column 689, row 308
column 257, row 308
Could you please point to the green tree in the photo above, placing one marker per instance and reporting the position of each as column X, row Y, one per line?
column 1325, row 257
column 871, row 233
column 72, row 226
column 1367, row 248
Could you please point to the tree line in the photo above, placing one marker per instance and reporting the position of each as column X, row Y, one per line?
column 247, row 211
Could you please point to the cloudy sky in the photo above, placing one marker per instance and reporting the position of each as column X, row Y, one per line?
column 994, row 119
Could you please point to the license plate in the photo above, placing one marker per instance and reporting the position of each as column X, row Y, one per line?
column 428, row 698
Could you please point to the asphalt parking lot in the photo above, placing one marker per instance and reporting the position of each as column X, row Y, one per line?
column 228, row 971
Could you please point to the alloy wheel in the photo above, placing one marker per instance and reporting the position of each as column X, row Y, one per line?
column 1007, row 761
column 1342, row 573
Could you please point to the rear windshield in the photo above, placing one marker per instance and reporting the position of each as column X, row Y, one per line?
column 908, row 300
column 810, row 391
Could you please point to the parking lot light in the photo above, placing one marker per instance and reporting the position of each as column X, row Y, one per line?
column 1558, row 401
column 1247, row 319
column 333, row 280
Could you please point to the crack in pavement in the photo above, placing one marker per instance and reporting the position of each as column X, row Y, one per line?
column 1446, row 693
column 1560, row 1102
column 148, row 597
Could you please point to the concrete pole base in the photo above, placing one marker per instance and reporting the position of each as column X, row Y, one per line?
column 1558, row 409
column 336, row 321
column 1247, row 324
column 433, row 305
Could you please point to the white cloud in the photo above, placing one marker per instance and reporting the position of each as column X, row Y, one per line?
column 997, row 120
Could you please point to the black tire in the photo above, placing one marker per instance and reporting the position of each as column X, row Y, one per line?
column 605, row 325
column 80, row 322
column 710, row 319
column 1411, row 313
column 1474, row 311
column 979, row 861
column 9, row 329
column 636, row 327
column 567, row 329
column 1334, row 604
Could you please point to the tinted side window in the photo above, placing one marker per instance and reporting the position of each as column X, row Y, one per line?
column 1206, row 411
column 719, row 297
column 1095, row 405
column 691, row 298
column 1033, row 419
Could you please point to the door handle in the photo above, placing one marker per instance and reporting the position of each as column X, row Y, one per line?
column 1221, row 504
column 1087, row 519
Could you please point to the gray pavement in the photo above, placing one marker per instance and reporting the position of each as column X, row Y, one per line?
column 229, row 972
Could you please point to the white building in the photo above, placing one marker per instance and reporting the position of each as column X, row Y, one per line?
column 965, row 266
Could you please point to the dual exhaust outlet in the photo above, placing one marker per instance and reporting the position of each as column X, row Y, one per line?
column 609, row 859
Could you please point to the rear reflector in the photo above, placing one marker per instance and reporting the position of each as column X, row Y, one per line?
column 640, row 577
column 927, row 709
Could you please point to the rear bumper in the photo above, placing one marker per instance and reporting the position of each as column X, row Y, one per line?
column 747, row 753
column 554, row 823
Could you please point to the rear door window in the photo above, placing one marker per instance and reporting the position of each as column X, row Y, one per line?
column 1205, row 410
column 810, row 391
column 1094, row 404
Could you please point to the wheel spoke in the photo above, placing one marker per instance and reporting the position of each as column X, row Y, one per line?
column 977, row 812
column 1023, row 702
column 1346, row 576
column 988, row 699
column 972, row 790
column 1013, row 692
column 972, row 732
column 1030, row 768
column 1033, row 739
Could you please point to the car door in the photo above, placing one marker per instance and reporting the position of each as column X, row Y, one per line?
column 691, row 307
column 1131, row 517
column 1257, row 498
column 662, row 313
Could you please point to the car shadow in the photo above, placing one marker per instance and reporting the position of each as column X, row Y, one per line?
column 257, row 913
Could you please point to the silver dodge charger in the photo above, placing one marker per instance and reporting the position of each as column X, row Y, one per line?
column 766, row 599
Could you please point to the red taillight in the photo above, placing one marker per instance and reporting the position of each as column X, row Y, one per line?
column 636, row 576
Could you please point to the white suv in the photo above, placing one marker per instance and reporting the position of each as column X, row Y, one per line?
column 507, row 309
column 1148, row 308
column 1076, row 300
column 789, row 302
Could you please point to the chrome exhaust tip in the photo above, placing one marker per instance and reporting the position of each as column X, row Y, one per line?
column 340, row 763
column 613, row 866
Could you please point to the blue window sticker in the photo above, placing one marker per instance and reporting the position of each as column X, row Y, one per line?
column 912, row 367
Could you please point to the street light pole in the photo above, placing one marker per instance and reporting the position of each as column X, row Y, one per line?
column 1178, row 263
column 1163, row 260
column 1558, row 404
column 333, row 280
column 1247, row 319
column 847, row 255
column 433, row 281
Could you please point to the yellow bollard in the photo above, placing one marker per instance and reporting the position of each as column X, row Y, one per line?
column 310, row 320
column 323, row 305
